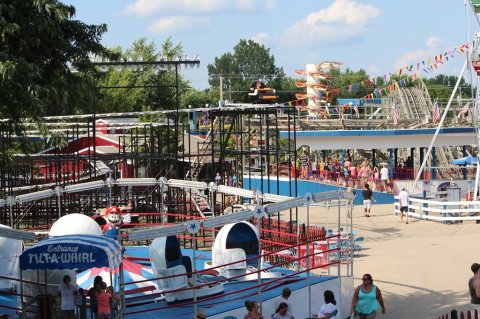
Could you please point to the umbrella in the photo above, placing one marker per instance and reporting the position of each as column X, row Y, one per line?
column 131, row 272
column 467, row 160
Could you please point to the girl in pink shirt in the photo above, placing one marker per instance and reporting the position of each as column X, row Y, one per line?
column 103, row 301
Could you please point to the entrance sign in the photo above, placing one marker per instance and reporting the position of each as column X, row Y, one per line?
column 72, row 252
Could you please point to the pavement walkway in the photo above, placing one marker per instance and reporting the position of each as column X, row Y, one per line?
column 422, row 268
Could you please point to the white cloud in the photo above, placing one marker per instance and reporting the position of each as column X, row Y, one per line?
column 342, row 20
column 418, row 55
column 263, row 38
column 145, row 8
column 178, row 25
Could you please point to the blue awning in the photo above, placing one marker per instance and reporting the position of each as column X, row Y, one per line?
column 73, row 252
column 467, row 160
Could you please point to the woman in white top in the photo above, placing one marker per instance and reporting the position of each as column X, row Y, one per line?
column 329, row 308
column 282, row 312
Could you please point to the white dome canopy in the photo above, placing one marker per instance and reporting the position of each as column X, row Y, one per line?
column 74, row 224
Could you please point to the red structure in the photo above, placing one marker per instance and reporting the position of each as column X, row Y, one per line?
column 73, row 168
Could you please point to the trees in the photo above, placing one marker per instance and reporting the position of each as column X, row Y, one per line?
column 39, row 43
column 441, row 87
column 249, row 62
column 154, row 89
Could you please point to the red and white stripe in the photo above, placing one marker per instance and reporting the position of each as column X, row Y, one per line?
column 463, row 111
column 436, row 112
column 396, row 116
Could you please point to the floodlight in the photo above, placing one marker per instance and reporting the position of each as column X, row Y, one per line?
column 180, row 183
column 34, row 196
column 285, row 205
column 77, row 188
column 228, row 219
column 16, row 234
column 137, row 182
column 156, row 232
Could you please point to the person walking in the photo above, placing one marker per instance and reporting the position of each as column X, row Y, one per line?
column 367, row 200
column 384, row 176
column 474, row 286
column 252, row 309
column 67, row 291
column 403, row 199
column 103, row 301
column 329, row 308
column 305, row 162
column 366, row 299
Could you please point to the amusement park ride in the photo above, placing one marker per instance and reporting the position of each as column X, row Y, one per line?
column 200, row 237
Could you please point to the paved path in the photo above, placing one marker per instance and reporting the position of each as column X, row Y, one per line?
column 422, row 268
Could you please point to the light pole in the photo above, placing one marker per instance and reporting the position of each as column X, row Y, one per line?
column 163, row 64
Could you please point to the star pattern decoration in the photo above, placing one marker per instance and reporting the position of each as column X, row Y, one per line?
column 193, row 226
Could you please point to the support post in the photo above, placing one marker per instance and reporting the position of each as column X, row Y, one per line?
column 259, row 212
column 10, row 202
column 421, row 151
column 163, row 181
column 391, row 161
column 308, row 200
column 433, row 170
column 193, row 226
column 213, row 188
column 59, row 192
column 194, row 288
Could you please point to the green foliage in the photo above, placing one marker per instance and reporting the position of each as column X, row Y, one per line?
column 155, row 89
column 39, row 43
column 249, row 62
column 441, row 87
column 198, row 99
column 343, row 79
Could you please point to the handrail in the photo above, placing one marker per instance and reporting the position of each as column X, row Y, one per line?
column 233, row 263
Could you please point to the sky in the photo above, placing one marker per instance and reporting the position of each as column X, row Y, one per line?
column 376, row 35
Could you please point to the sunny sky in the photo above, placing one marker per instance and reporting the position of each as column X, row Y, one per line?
column 376, row 35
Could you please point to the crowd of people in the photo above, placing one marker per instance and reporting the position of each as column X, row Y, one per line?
column 348, row 174
column 367, row 301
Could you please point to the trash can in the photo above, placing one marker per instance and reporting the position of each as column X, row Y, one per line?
column 45, row 306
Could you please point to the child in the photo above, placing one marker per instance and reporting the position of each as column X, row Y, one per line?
column 103, row 301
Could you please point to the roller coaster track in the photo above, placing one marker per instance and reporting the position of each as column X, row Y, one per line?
column 415, row 106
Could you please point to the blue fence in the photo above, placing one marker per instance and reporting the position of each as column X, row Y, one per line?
column 287, row 188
